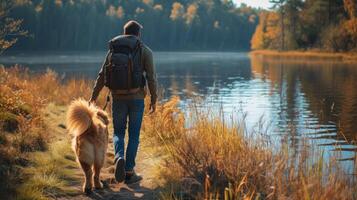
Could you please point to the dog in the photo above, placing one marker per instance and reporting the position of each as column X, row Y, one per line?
column 89, row 126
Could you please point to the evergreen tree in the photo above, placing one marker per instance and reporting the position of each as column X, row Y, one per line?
column 168, row 24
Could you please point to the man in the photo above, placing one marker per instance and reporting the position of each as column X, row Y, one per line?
column 127, row 68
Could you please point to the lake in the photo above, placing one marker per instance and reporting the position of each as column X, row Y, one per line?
column 298, row 99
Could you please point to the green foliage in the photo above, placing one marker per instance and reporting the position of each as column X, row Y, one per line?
column 168, row 24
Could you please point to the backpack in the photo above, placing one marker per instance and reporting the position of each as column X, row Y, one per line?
column 124, row 73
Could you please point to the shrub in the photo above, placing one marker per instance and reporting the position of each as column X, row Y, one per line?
column 9, row 122
column 23, row 98
column 335, row 38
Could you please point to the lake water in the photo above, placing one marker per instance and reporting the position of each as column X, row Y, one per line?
column 298, row 99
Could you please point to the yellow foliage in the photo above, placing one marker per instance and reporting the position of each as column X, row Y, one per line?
column 177, row 11
column 115, row 12
column 148, row 2
column 158, row 7
column 272, row 29
column 191, row 13
column 351, row 27
column 257, row 41
column 267, row 32
column 351, row 8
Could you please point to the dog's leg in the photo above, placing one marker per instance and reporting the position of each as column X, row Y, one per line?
column 87, row 186
column 98, row 164
column 97, row 183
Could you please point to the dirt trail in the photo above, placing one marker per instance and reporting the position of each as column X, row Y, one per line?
column 147, row 165
column 146, row 189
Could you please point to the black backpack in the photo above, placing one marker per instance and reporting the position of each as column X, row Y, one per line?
column 124, row 73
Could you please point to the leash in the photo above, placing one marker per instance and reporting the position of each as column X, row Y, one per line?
column 107, row 101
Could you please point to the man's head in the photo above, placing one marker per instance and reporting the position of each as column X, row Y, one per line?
column 132, row 27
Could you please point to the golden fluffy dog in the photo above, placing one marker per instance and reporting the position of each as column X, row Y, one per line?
column 88, row 124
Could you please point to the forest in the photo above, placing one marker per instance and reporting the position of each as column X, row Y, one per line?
column 323, row 25
column 54, row 25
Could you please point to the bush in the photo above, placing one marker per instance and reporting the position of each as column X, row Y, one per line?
column 23, row 98
column 335, row 38
column 9, row 122
column 31, row 142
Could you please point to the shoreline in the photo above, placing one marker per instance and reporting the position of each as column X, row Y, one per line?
column 293, row 55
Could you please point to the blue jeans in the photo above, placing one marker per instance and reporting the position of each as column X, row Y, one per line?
column 133, row 110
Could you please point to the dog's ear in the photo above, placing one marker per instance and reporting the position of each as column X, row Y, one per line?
column 104, row 116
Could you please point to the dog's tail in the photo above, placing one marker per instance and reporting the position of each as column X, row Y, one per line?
column 80, row 116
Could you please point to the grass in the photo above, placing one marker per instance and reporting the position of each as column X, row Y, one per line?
column 25, row 135
column 296, row 55
column 206, row 160
column 50, row 173
column 213, row 160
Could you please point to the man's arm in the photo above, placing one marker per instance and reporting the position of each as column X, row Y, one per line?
column 150, row 74
column 99, row 83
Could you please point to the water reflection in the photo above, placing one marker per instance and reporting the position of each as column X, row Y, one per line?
column 321, row 94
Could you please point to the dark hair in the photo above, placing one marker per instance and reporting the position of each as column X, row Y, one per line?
column 132, row 28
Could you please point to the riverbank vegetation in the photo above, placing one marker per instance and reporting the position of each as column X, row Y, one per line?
column 208, row 159
column 216, row 160
column 305, row 25
column 29, row 156
column 346, row 57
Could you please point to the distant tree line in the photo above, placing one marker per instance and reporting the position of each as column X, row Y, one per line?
column 168, row 24
column 329, row 25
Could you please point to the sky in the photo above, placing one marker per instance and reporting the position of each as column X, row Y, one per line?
column 255, row 3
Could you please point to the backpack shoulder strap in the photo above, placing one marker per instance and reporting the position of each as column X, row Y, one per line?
column 137, row 48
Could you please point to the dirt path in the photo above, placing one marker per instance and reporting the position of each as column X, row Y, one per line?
column 148, row 162
column 146, row 189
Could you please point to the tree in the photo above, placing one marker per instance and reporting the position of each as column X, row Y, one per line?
column 168, row 24
column 293, row 8
column 304, row 24
column 267, row 34
column 10, row 28
column 257, row 41
column 278, row 4
column 351, row 24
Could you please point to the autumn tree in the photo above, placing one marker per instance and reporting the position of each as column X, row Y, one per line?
column 305, row 24
column 258, row 39
column 279, row 5
column 351, row 24
column 10, row 28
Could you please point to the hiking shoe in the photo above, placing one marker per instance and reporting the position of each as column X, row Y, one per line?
column 132, row 177
column 119, row 170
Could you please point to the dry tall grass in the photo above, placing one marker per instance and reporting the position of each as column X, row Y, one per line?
column 23, row 98
column 224, row 162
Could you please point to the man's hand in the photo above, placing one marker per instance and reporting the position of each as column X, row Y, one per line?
column 152, row 108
